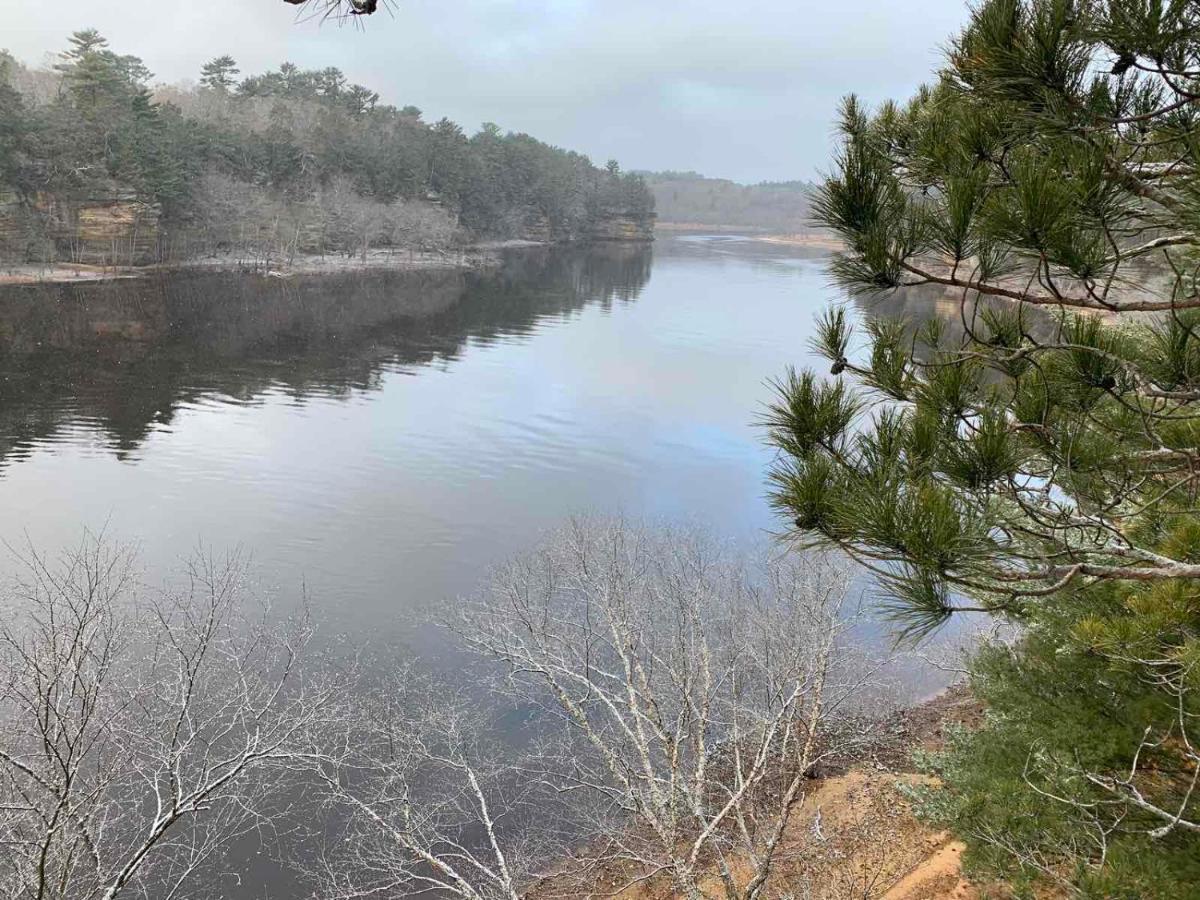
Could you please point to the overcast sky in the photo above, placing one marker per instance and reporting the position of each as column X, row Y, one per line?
column 742, row 89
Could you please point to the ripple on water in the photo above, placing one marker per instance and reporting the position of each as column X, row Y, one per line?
column 385, row 459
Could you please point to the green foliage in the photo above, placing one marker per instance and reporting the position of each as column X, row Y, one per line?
column 219, row 73
column 1067, row 705
column 294, row 134
column 1019, row 182
column 14, row 131
column 1032, row 451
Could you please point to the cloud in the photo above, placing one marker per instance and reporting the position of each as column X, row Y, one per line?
column 739, row 89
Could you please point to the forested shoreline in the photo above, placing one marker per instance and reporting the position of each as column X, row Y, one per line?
column 99, row 164
column 687, row 200
column 942, row 641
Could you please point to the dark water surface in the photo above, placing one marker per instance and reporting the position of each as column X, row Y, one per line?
column 382, row 439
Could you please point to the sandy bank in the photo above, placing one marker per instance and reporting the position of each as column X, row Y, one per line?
column 479, row 256
column 814, row 239
column 822, row 241
column 703, row 228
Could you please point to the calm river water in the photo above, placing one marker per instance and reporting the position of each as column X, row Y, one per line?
column 381, row 440
column 378, row 441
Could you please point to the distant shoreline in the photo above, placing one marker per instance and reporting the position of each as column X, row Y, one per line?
column 485, row 254
column 750, row 232
column 824, row 241
column 710, row 229
column 476, row 256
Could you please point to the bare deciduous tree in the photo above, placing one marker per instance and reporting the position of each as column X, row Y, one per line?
column 139, row 735
column 418, row 800
column 677, row 706
column 705, row 696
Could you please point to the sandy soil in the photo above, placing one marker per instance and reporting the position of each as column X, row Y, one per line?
column 854, row 835
column 823, row 241
column 939, row 875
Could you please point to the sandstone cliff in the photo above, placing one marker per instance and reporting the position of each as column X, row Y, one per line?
column 623, row 225
column 110, row 225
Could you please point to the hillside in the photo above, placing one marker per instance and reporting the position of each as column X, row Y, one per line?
column 100, row 164
column 685, row 199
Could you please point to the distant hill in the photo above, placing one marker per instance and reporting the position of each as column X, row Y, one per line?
column 689, row 199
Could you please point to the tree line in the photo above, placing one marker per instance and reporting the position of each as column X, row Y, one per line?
column 688, row 198
column 303, row 158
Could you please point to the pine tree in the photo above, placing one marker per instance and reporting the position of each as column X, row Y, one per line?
column 15, row 128
column 93, row 74
column 219, row 73
column 83, row 42
column 1081, row 773
column 1050, row 175
column 1037, row 456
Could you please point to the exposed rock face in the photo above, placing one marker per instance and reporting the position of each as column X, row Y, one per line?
column 20, row 237
column 117, row 228
column 537, row 227
column 611, row 225
column 617, row 225
column 112, row 227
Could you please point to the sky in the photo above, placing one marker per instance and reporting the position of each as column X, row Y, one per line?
column 740, row 89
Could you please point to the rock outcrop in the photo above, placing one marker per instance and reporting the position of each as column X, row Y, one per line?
column 623, row 225
column 609, row 225
column 109, row 226
column 21, row 236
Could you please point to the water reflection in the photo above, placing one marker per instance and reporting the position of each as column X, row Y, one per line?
column 958, row 314
column 381, row 440
column 122, row 357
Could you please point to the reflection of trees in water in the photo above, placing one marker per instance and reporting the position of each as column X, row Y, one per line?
column 121, row 357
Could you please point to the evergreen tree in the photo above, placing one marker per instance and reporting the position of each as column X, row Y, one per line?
column 1080, row 774
column 93, row 75
column 359, row 99
column 219, row 73
column 1039, row 458
column 257, row 165
column 15, row 128
column 83, row 42
column 1051, row 171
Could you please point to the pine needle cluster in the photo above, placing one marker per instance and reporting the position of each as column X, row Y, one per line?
column 1048, row 184
column 1035, row 452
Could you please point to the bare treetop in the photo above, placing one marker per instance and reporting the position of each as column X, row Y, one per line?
column 338, row 9
column 701, row 694
column 139, row 735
